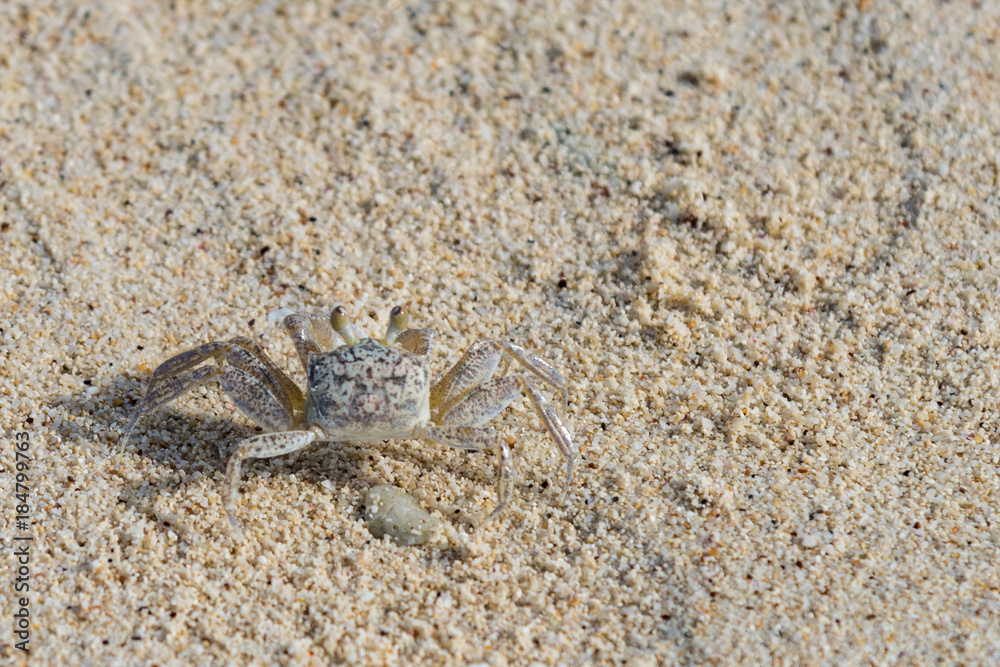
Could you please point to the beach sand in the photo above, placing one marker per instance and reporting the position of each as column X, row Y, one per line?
column 759, row 242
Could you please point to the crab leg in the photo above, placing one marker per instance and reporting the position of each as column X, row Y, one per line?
column 477, row 439
column 258, row 387
column 189, row 359
column 166, row 391
column 553, row 424
column 538, row 366
column 489, row 400
column 256, row 401
column 261, row 447
column 475, row 367
column 480, row 363
column 250, row 359
column 230, row 351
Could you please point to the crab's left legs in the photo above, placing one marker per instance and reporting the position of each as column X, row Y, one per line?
column 489, row 400
column 261, row 447
column 477, row 439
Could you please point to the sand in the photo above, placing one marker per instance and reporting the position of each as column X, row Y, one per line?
column 760, row 243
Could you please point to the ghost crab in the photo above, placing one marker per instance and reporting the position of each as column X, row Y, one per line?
column 362, row 389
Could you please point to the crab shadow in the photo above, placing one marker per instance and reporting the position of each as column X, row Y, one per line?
column 184, row 442
column 188, row 443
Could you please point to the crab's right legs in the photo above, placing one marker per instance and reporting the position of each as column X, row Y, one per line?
column 261, row 447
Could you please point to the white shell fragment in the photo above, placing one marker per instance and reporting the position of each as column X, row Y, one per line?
column 389, row 511
column 277, row 316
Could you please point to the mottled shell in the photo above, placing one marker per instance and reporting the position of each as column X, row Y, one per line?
column 368, row 391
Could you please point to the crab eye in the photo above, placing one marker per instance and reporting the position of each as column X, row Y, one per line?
column 338, row 319
column 344, row 327
column 399, row 318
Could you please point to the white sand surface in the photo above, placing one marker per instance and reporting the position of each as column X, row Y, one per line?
column 760, row 242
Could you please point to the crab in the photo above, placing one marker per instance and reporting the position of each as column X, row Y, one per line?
column 364, row 389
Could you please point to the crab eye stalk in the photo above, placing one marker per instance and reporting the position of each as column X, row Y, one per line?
column 399, row 319
column 339, row 319
column 342, row 325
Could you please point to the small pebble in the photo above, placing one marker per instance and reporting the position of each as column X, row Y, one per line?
column 389, row 511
